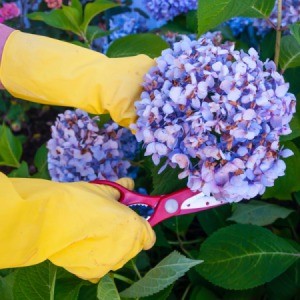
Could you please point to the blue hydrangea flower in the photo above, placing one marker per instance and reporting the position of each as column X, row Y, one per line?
column 125, row 24
column 290, row 15
column 122, row 25
column 216, row 113
column 80, row 151
column 238, row 24
column 168, row 9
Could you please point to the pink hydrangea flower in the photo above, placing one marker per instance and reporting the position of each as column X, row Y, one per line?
column 54, row 3
column 9, row 11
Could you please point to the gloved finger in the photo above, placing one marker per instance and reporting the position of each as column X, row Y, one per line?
column 113, row 193
column 128, row 183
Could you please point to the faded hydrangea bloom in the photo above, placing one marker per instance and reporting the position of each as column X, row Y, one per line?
column 290, row 15
column 54, row 4
column 79, row 150
column 216, row 113
column 9, row 11
column 168, row 9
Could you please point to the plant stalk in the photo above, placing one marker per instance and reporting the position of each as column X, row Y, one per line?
column 278, row 32
column 123, row 278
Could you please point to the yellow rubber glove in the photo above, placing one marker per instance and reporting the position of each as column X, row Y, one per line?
column 52, row 72
column 79, row 226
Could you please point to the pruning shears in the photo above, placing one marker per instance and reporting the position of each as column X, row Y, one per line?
column 156, row 209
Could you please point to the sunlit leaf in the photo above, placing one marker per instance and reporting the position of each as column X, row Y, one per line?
column 289, row 53
column 144, row 43
column 162, row 275
column 10, row 148
column 107, row 289
column 92, row 9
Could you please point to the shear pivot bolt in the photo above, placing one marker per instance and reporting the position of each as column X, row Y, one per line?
column 171, row 206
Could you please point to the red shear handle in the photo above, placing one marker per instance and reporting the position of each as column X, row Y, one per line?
column 128, row 197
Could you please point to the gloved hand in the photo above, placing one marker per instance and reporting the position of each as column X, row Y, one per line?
column 52, row 72
column 79, row 226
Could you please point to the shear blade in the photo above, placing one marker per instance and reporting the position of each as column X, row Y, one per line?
column 200, row 201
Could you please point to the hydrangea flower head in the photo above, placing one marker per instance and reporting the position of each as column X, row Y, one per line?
column 9, row 11
column 168, row 9
column 217, row 114
column 79, row 150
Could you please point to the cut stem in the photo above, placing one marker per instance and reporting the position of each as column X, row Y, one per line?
column 278, row 32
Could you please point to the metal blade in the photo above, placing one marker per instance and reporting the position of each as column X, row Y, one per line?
column 200, row 201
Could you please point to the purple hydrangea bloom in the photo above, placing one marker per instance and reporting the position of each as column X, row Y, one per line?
column 168, row 9
column 216, row 113
column 80, row 151
column 290, row 15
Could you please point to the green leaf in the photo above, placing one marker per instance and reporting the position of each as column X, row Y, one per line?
column 68, row 289
column 179, row 224
column 267, row 46
column 250, row 294
column 244, row 256
column 191, row 21
column 77, row 5
column 211, row 13
column 162, row 275
column 41, row 162
column 144, row 43
column 11, row 148
column 287, row 285
column 214, row 219
column 258, row 213
column 55, row 18
column 200, row 292
column 295, row 31
column 107, row 289
column 36, row 282
column 6, row 286
column 289, row 53
column 94, row 32
column 167, row 181
column 93, row 9
column 290, row 182
column 74, row 17
column 162, row 295
column 21, row 172
column 260, row 9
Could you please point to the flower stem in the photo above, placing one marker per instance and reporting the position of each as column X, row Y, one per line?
column 136, row 269
column 123, row 278
column 278, row 32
